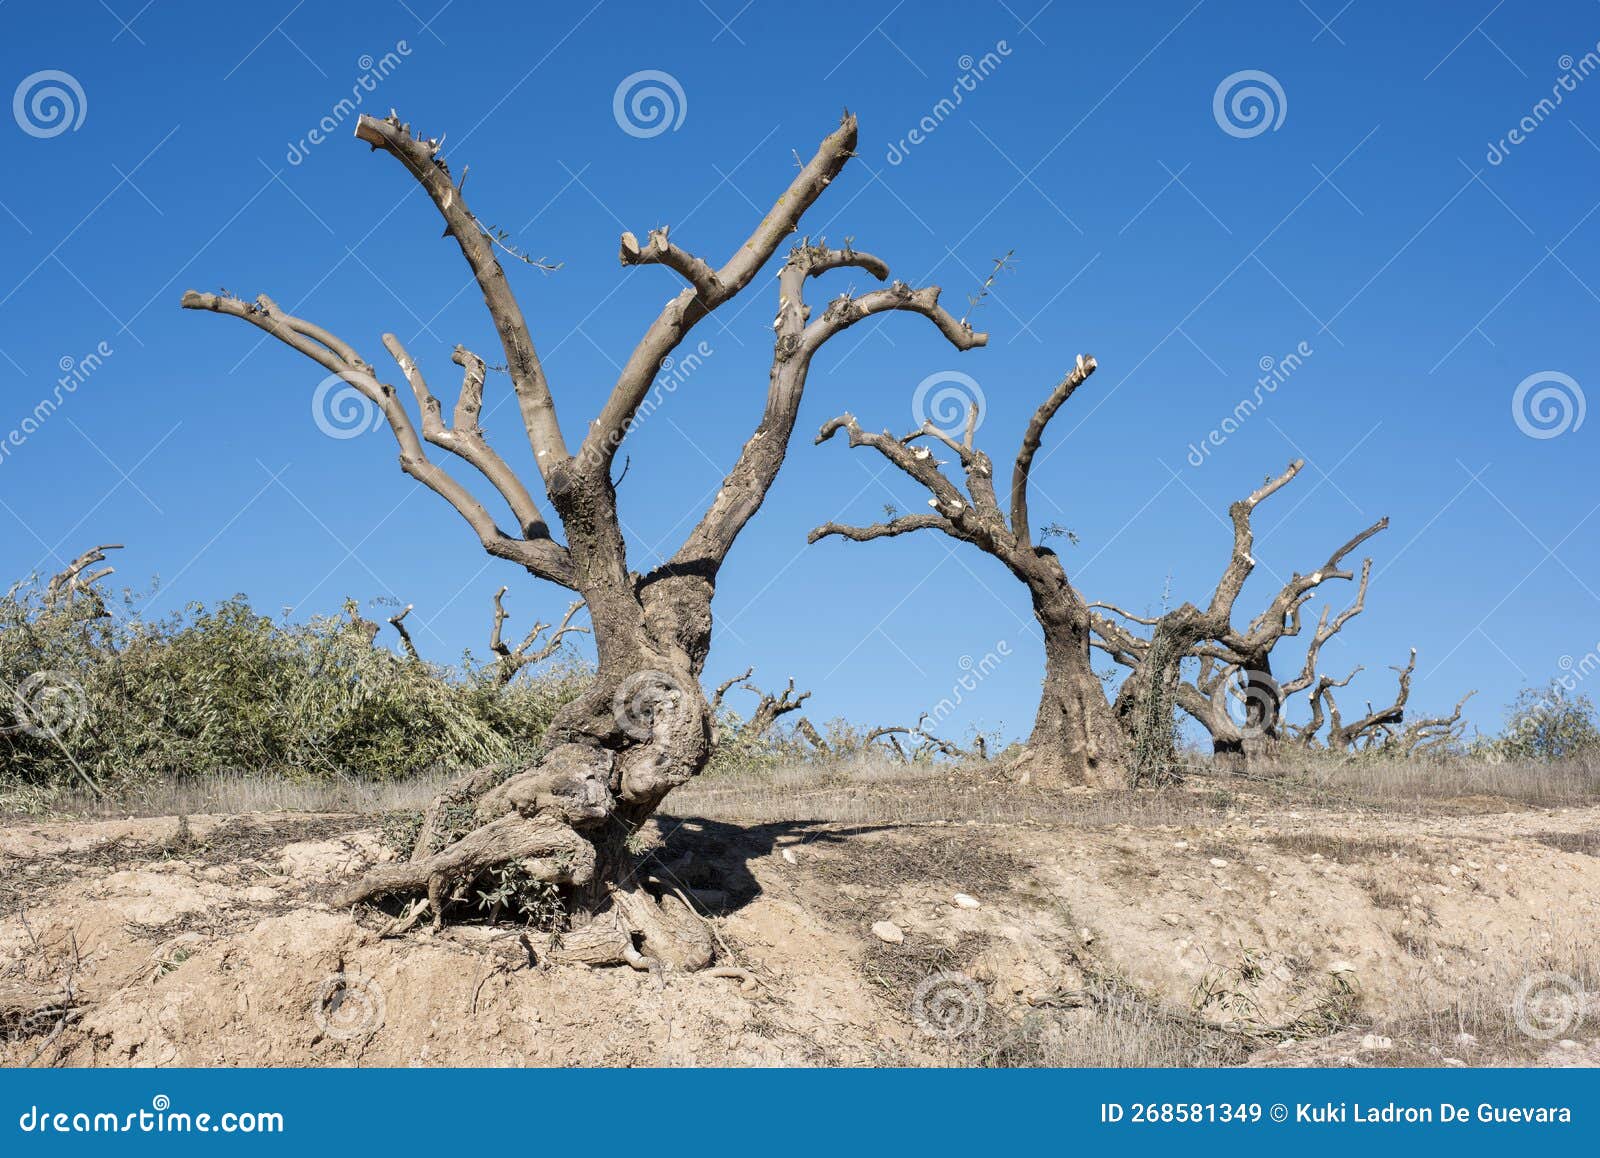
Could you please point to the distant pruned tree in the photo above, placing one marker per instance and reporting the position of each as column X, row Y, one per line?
column 1240, row 659
column 1075, row 738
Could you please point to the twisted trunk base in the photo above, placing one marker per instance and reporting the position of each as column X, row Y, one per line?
column 568, row 821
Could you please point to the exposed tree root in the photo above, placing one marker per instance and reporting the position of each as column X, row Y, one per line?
column 746, row 979
column 550, row 851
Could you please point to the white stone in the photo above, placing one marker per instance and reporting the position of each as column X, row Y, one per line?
column 963, row 901
column 888, row 932
column 1218, row 862
column 1374, row 1041
column 788, row 855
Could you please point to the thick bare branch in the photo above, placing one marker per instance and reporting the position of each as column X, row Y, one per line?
column 464, row 438
column 707, row 290
column 1034, row 437
column 424, row 162
column 1242, row 561
column 657, row 250
column 543, row 557
column 746, row 485
column 903, row 525
column 1326, row 630
column 1321, row 699
column 954, row 511
column 1282, row 615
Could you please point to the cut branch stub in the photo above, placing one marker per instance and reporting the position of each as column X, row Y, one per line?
column 76, row 578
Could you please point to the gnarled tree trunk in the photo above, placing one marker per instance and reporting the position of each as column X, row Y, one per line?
column 1075, row 738
column 644, row 727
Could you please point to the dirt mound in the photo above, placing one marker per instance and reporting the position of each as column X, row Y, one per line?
column 1238, row 933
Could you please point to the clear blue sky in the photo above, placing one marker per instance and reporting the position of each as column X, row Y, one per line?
column 1369, row 224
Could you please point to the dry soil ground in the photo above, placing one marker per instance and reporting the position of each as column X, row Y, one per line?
column 1225, row 922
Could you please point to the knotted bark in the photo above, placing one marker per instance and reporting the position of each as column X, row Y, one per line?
column 644, row 726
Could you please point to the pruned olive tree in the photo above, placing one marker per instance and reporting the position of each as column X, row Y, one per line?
column 1075, row 738
column 644, row 725
column 768, row 711
column 1145, row 701
column 1243, row 708
column 1387, row 729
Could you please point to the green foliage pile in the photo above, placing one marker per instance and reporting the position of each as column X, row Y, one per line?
column 104, row 699
column 1546, row 724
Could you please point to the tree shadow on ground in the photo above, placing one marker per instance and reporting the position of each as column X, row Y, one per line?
column 712, row 856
